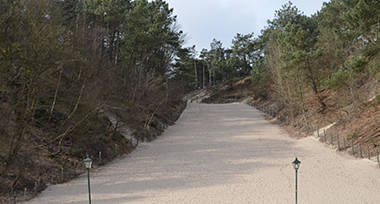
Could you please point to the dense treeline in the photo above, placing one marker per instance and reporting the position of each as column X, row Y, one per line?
column 67, row 65
column 300, row 59
column 219, row 64
column 334, row 50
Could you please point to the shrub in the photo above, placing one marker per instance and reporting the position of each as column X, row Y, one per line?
column 352, row 136
column 378, row 99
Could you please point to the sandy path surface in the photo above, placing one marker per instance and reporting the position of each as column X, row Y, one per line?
column 225, row 154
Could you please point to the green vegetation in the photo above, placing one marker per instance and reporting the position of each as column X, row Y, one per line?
column 66, row 66
column 300, row 59
column 352, row 136
column 317, row 69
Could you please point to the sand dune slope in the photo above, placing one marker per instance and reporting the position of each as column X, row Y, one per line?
column 225, row 154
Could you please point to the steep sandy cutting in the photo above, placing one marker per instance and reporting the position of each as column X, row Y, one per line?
column 225, row 154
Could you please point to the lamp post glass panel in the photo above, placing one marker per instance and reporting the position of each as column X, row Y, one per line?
column 87, row 164
column 296, row 165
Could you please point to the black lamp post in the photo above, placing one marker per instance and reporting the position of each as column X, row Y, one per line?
column 87, row 164
column 296, row 165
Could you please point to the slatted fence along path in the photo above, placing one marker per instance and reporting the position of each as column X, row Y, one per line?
column 225, row 154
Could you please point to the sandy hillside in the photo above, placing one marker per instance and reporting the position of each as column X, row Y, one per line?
column 225, row 154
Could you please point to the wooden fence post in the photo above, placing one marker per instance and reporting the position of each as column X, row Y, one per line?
column 312, row 129
column 352, row 145
column 338, row 143
column 344, row 143
column 100, row 157
column 24, row 194
column 369, row 155
column 360, row 149
column 318, row 132
column 35, row 188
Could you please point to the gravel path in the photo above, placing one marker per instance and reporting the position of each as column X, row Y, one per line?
column 225, row 154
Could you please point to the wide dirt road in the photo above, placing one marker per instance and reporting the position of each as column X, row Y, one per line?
column 225, row 154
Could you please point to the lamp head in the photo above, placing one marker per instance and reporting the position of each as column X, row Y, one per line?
column 87, row 162
column 296, row 164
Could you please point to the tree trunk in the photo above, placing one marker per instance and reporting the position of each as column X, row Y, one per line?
column 314, row 84
column 204, row 76
column 245, row 66
column 214, row 76
column 196, row 74
column 311, row 77
column 210, row 77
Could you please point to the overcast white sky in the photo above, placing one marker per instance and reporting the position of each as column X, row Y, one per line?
column 204, row 20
